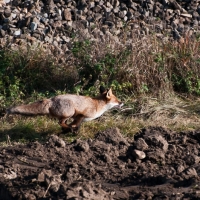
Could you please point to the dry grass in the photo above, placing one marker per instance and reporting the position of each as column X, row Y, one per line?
column 23, row 129
column 147, row 65
column 175, row 114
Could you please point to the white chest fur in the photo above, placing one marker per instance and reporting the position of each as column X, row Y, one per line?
column 100, row 112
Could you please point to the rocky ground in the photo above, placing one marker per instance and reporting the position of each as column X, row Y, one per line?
column 156, row 164
column 57, row 22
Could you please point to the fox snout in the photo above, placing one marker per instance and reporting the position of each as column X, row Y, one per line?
column 118, row 104
column 121, row 104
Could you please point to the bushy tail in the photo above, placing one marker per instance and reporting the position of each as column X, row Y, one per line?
column 36, row 108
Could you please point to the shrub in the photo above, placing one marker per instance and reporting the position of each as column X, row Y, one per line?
column 31, row 72
column 146, row 66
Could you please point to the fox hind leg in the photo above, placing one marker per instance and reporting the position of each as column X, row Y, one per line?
column 62, row 122
column 75, row 125
column 65, row 127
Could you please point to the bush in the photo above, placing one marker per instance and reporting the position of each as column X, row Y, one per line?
column 137, row 68
column 146, row 66
column 31, row 72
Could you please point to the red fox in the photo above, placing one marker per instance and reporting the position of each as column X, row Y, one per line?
column 63, row 107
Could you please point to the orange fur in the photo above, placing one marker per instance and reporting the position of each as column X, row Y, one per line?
column 63, row 107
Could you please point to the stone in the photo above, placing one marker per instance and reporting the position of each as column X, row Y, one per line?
column 139, row 154
column 186, row 15
column 13, row 15
column 97, row 9
column 195, row 15
column 6, row 1
column 91, row 4
column 141, row 144
column 7, row 12
column 33, row 26
column 116, row 10
column 46, row 15
column 48, row 39
column 122, row 14
column 17, row 33
column 67, row 14
column 2, row 33
column 98, row 16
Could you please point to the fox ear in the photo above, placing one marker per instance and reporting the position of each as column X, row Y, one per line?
column 102, row 89
column 109, row 94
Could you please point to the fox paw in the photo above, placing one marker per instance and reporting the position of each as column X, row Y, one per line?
column 70, row 130
column 66, row 130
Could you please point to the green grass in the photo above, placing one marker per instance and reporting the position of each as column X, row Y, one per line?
column 23, row 129
column 175, row 114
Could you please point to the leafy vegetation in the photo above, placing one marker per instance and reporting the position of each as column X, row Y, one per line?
column 30, row 73
column 148, row 67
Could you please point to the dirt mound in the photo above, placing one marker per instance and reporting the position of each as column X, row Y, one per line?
column 158, row 164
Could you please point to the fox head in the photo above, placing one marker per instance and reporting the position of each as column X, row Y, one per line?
column 111, row 99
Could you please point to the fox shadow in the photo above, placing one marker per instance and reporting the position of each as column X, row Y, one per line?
column 23, row 134
column 26, row 133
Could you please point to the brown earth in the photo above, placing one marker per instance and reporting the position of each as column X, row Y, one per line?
column 106, row 167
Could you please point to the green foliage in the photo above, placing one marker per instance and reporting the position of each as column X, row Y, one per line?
column 9, row 82
column 184, row 66
column 102, row 68
column 144, row 88
column 189, row 84
column 147, row 67
column 31, row 72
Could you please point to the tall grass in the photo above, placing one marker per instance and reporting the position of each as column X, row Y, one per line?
column 31, row 71
column 146, row 66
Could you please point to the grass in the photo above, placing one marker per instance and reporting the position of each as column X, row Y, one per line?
column 22, row 129
column 175, row 113
column 147, row 66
